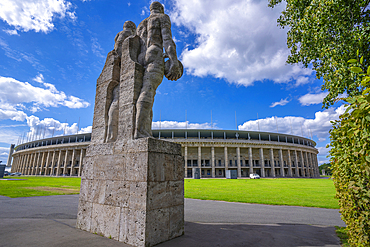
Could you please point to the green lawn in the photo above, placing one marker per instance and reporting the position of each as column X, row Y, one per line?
column 283, row 191
column 39, row 186
column 295, row 192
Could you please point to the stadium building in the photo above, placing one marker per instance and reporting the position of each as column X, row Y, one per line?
column 213, row 152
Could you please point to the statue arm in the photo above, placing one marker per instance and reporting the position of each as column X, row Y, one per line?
column 170, row 48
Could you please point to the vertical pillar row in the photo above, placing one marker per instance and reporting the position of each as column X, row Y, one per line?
column 213, row 161
column 81, row 160
column 58, row 164
column 226, row 160
column 238, row 162
column 250, row 158
column 65, row 162
column 186, row 161
column 73, row 161
column 272, row 162
column 289, row 164
column 296, row 164
column 262, row 163
column 200, row 160
column 281, row 160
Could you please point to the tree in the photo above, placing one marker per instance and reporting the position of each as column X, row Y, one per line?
column 351, row 161
column 325, row 34
column 326, row 167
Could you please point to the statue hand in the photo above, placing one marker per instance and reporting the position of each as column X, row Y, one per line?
column 174, row 72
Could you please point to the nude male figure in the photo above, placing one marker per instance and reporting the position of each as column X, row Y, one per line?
column 129, row 28
column 155, row 34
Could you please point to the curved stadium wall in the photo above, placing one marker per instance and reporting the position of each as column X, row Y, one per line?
column 213, row 152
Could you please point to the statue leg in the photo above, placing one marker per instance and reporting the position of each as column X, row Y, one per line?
column 144, row 106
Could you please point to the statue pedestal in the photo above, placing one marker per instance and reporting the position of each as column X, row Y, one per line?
column 133, row 193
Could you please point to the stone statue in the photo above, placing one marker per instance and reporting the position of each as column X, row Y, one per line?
column 112, row 115
column 129, row 28
column 112, row 126
column 155, row 34
column 132, row 185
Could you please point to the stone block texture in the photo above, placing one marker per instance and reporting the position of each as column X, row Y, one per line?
column 133, row 193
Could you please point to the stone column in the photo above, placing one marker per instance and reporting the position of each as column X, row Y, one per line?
column 65, row 162
column 73, row 162
column 226, row 160
column 308, row 164
column 14, row 163
column 42, row 162
column 281, row 160
column 186, row 161
column 36, row 166
column 30, row 164
column 316, row 165
column 213, row 162
column 80, row 164
column 289, row 164
column 262, row 163
column 238, row 162
column 272, row 160
column 59, row 161
column 14, row 169
column 250, row 158
column 39, row 157
column 200, row 160
column 47, row 164
column 27, row 165
column 34, row 163
column 302, row 160
column 52, row 171
column 296, row 164
column 23, row 163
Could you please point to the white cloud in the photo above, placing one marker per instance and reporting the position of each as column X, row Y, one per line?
column 88, row 129
column 96, row 48
column 11, row 32
column 180, row 125
column 282, row 102
column 49, row 127
column 14, row 94
column 312, row 99
column 324, row 151
column 39, row 78
column 237, row 40
column 12, row 114
column 302, row 80
column 37, row 15
column 318, row 126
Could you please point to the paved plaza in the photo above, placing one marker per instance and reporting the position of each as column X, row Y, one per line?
column 51, row 220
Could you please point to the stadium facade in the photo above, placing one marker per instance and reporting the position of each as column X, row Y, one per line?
column 214, row 152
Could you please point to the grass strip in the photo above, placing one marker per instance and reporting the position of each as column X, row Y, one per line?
column 283, row 191
column 27, row 186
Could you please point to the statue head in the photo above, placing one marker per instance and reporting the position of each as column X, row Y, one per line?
column 156, row 7
column 130, row 25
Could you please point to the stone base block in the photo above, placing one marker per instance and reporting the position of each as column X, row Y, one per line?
column 134, row 192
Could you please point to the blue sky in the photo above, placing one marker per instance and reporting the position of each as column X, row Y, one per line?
column 52, row 52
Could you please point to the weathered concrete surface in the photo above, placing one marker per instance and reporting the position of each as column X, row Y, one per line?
column 132, row 187
column 50, row 220
column 133, row 194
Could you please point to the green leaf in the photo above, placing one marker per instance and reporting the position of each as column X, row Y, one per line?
column 368, row 70
column 361, row 59
column 356, row 69
column 352, row 61
column 357, row 52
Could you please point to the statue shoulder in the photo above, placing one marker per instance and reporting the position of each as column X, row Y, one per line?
column 165, row 21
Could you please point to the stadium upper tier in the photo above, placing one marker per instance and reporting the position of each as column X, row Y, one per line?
column 212, row 152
